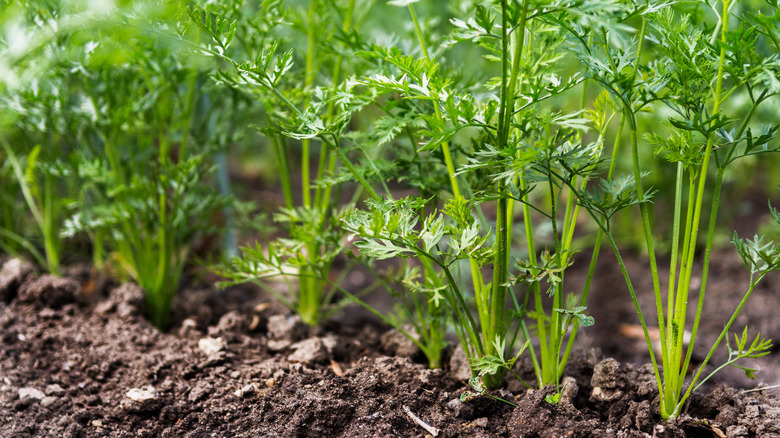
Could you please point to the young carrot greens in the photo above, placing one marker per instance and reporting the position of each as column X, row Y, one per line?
column 513, row 141
column 473, row 151
column 488, row 149
column 697, row 73
column 299, row 110
column 104, row 143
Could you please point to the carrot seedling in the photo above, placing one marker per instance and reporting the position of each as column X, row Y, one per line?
column 698, row 72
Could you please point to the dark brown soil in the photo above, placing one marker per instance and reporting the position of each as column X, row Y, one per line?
column 77, row 359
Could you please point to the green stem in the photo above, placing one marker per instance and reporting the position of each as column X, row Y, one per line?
column 500, row 264
column 648, row 232
column 284, row 170
column 706, row 268
column 672, row 375
column 51, row 239
column 690, row 252
column 716, row 194
column 308, row 81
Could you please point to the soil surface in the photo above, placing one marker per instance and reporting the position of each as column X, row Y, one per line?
column 77, row 359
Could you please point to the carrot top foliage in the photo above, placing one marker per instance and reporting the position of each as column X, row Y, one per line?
column 478, row 146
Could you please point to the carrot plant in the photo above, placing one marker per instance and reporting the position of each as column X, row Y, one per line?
column 700, row 73
column 38, row 115
column 301, row 110
column 298, row 109
column 104, row 144
column 510, row 143
column 145, row 195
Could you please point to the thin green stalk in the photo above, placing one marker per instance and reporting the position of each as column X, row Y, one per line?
column 556, row 332
column 479, row 296
column 716, row 193
column 678, row 193
column 51, row 239
column 309, row 74
column 699, row 199
column 689, row 252
column 673, row 374
column 648, row 232
column 500, row 264
column 283, row 166
column 541, row 327
column 706, row 268
column 650, row 246
column 534, row 360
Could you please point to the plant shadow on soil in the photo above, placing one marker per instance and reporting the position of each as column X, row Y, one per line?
column 78, row 359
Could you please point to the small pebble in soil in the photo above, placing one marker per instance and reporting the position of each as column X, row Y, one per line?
column 31, row 393
column 308, row 351
column 396, row 344
column 246, row 391
column 211, row 346
column 188, row 326
column 606, row 381
column 140, row 400
column 55, row 390
column 12, row 275
column 230, row 325
column 141, row 395
column 49, row 401
column 199, row 392
column 459, row 364
column 283, row 330
column 569, row 388
column 460, row 409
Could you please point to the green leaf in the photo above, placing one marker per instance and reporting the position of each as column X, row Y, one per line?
column 760, row 257
column 432, row 232
column 579, row 313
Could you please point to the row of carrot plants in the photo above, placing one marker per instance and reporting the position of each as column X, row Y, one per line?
column 519, row 132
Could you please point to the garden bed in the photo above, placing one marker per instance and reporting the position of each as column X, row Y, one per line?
column 78, row 359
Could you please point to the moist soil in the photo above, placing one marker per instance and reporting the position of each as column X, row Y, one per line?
column 77, row 359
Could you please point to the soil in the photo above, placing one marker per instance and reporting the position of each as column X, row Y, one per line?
column 77, row 359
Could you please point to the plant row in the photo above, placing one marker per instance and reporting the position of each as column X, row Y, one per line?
column 478, row 146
